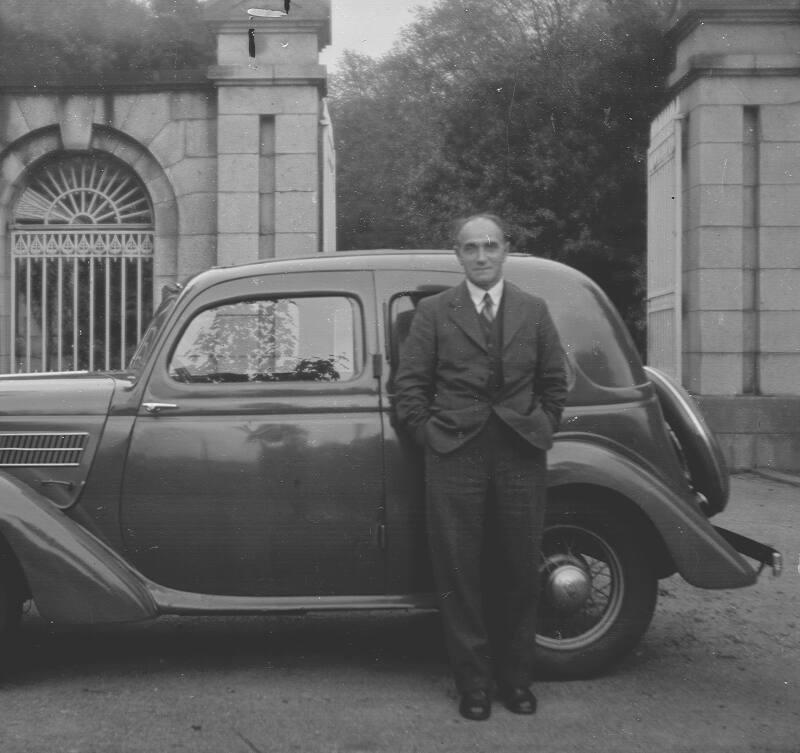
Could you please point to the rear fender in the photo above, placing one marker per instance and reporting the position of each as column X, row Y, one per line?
column 701, row 555
column 71, row 575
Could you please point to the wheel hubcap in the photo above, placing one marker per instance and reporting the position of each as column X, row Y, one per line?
column 568, row 585
column 582, row 588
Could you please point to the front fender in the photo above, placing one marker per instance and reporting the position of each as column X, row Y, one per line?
column 72, row 576
column 700, row 554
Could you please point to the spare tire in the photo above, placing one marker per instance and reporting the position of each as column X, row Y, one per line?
column 698, row 448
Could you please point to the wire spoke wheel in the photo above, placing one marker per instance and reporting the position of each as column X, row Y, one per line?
column 583, row 585
column 598, row 593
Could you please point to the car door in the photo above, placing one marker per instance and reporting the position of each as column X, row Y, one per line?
column 255, row 464
column 408, row 563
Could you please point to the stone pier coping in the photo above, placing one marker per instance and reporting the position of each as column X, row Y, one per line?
column 687, row 14
column 265, row 73
column 730, row 65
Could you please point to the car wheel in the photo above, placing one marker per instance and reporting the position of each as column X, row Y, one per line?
column 598, row 594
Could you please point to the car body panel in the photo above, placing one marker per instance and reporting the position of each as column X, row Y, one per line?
column 271, row 503
column 285, row 496
column 638, row 463
column 55, row 423
column 71, row 575
column 174, row 602
column 701, row 556
column 278, row 485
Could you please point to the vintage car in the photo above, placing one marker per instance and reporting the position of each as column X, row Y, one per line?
column 248, row 461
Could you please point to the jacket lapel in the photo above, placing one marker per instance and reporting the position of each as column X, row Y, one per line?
column 462, row 312
column 513, row 304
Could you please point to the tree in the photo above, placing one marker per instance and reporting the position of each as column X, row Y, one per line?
column 177, row 37
column 43, row 42
column 538, row 110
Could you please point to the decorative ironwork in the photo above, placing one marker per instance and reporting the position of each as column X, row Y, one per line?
column 82, row 246
column 83, row 190
column 40, row 449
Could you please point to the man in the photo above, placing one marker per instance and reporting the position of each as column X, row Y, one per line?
column 481, row 385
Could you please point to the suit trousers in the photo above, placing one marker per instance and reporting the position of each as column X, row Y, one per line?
column 485, row 515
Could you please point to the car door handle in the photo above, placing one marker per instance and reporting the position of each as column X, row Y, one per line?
column 155, row 408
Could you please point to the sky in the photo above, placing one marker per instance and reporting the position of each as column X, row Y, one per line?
column 367, row 26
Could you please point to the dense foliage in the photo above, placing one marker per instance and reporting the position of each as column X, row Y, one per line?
column 537, row 110
column 47, row 42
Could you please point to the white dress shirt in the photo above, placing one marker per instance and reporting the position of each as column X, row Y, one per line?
column 495, row 293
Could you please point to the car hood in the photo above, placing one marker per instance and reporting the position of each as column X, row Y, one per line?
column 55, row 394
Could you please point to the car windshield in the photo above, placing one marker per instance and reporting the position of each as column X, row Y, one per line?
column 146, row 344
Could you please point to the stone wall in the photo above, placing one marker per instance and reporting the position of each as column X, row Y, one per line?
column 736, row 85
column 237, row 160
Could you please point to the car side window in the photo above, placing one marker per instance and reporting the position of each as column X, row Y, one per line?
column 297, row 339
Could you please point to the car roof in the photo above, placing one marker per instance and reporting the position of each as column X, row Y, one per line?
column 589, row 326
column 368, row 260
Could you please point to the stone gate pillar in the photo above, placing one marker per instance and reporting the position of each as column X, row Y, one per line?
column 275, row 160
column 736, row 232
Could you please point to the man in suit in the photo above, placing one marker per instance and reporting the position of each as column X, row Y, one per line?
column 481, row 385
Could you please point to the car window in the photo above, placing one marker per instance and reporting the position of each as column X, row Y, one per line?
column 590, row 332
column 298, row 339
column 593, row 336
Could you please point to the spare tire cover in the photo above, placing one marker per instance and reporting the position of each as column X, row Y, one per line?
column 704, row 458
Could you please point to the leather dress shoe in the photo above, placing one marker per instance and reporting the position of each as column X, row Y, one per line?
column 475, row 705
column 519, row 700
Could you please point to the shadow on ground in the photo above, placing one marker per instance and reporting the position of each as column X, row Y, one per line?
column 213, row 644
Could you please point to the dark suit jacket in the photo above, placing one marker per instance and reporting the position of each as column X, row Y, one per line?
column 443, row 387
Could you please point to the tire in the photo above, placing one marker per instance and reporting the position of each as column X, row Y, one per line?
column 697, row 448
column 598, row 595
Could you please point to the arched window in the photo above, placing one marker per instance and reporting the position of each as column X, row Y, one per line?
column 82, row 265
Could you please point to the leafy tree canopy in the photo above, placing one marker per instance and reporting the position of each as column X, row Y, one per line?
column 46, row 42
column 537, row 110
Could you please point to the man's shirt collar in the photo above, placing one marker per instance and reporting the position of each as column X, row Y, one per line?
column 476, row 294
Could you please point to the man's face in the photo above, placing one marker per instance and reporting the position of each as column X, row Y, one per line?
column 481, row 249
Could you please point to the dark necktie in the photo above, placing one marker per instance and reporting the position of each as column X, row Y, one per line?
column 487, row 312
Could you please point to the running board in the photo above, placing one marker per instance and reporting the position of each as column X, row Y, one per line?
column 766, row 555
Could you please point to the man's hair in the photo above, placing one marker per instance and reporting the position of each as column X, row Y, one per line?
column 458, row 225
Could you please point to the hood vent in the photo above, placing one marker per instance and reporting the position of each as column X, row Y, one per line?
column 40, row 449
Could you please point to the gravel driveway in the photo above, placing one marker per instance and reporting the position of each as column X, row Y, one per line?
column 718, row 671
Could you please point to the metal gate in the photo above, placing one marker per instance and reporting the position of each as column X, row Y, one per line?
column 81, row 266
column 664, row 242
